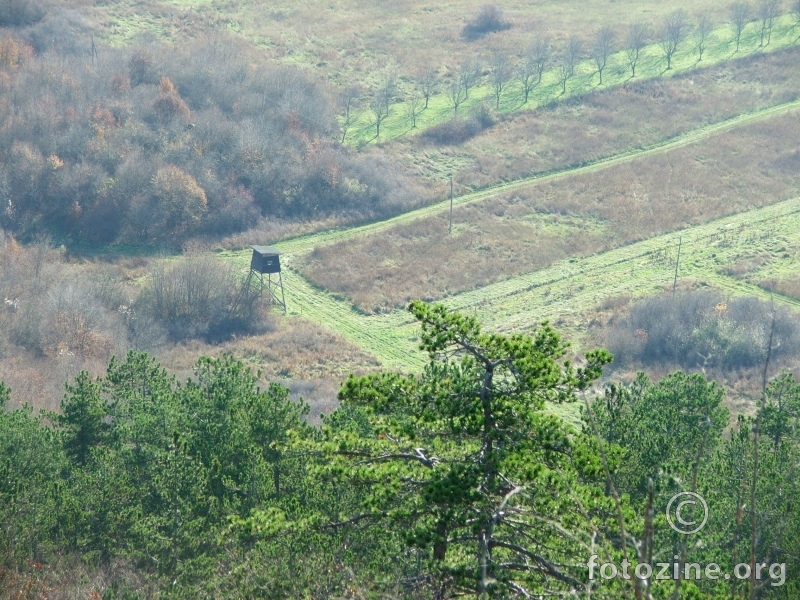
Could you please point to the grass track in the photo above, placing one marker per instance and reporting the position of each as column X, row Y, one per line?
column 308, row 242
column 564, row 292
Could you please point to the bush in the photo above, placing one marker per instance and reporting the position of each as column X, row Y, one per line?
column 703, row 329
column 199, row 297
column 458, row 130
column 178, row 203
column 156, row 147
column 488, row 20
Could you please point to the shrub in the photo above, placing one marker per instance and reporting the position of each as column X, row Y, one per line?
column 458, row 130
column 141, row 67
column 199, row 297
column 13, row 54
column 179, row 201
column 108, row 154
column 703, row 329
column 488, row 20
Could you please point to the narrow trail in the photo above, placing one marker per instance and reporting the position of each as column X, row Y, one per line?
column 563, row 292
column 306, row 243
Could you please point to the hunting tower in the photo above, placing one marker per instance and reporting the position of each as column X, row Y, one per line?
column 266, row 261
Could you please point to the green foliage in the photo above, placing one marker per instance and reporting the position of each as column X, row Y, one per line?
column 671, row 436
column 31, row 461
column 83, row 411
column 462, row 461
column 454, row 482
column 667, row 429
column 144, row 467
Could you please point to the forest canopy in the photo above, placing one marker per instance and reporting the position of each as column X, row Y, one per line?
column 462, row 480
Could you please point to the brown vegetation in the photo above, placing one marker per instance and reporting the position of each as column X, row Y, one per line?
column 153, row 146
column 354, row 40
column 489, row 19
column 16, row 13
column 384, row 271
column 787, row 286
column 309, row 359
column 617, row 323
column 60, row 315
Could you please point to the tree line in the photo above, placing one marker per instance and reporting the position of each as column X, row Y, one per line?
column 502, row 70
column 461, row 481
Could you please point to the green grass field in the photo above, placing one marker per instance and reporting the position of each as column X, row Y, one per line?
column 720, row 48
column 565, row 292
column 306, row 243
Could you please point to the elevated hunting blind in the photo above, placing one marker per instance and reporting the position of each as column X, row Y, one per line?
column 265, row 261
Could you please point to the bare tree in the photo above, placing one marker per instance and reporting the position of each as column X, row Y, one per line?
column 602, row 49
column 380, row 111
column 740, row 17
column 638, row 35
column 565, row 68
column 573, row 53
column 455, row 93
column 701, row 33
column 673, row 31
column 501, row 74
column 348, row 101
column 468, row 75
column 427, row 82
column 527, row 73
column 541, row 53
column 413, row 107
column 388, row 91
column 767, row 12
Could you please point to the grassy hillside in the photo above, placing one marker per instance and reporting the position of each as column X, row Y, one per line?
column 572, row 213
column 578, row 173
column 567, row 292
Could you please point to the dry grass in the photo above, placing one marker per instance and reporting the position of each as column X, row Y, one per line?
column 512, row 234
column 382, row 272
column 774, row 267
column 309, row 359
column 742, row 386
column 789, row 286
column 69, row 578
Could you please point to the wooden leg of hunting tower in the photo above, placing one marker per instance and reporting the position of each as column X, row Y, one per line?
column 283, row 299
column 273, row 291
